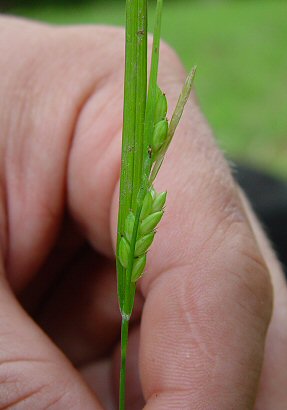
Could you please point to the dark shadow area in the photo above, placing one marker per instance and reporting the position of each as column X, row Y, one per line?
column 268, row 196
column 6, row 5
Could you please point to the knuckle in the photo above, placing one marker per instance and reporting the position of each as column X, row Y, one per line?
column 231, row 244
column 249, row 275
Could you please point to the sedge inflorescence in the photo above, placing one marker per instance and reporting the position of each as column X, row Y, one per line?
column 152, row 206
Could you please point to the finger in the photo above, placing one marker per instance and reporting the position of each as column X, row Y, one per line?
column 34, row 374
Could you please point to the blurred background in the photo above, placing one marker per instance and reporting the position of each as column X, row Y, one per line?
column 240, row 48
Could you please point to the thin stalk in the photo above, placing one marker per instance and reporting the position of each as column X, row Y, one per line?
column 124, row 343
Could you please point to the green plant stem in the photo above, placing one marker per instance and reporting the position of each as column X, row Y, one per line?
column 141, row 86
column 138, row 129
column 132, row 157
column 128, row 141
column 145, row 119
column 124, row 346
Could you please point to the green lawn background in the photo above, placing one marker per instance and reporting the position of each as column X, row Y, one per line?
column 240, row 48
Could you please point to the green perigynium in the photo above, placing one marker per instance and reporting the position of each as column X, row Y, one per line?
column 159, row 202
column 129, row 226
column 148, row 224
column 147, row 205
column 124, row 252
column 138, row 268
column 147, row 135
column 159, row 135
column 143, row 244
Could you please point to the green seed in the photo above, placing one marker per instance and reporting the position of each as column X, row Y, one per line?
column 159, row 202
column 161, row 106
column 143, row 244
column 159, row 135
column 138, row 268
column 129, row 226
column 147, row 205
column 150, row 222
column 124, row 252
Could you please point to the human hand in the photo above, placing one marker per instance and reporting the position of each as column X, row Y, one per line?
column 204, row 305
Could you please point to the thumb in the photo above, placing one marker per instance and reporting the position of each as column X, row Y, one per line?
column 34, row 374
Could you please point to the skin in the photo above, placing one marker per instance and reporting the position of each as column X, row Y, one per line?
column 201, row 336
